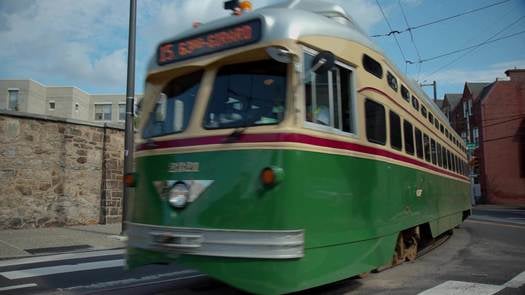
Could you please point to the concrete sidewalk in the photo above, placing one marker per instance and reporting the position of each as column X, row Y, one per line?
column 39, row 241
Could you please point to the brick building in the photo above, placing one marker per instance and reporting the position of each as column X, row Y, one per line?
column 499, row 112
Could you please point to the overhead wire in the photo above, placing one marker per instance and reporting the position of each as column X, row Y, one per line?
column 474, row 47
column 411, row 39
column 393, row 32
column 393, row 35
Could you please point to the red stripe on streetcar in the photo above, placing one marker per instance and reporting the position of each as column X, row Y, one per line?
column 290, row 137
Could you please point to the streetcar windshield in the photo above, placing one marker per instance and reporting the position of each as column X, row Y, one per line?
column 247, row 94
column 174, row 106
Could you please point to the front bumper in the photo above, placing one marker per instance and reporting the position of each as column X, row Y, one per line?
column 268, row 244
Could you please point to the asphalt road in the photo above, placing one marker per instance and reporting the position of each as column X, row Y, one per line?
column 486, row 255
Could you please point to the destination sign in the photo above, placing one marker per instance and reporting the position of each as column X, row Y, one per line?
column 209, row 42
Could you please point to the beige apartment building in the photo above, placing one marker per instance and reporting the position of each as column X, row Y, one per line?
column 65, row 102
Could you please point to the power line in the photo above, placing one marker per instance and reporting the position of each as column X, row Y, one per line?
column 392, row 32
column 393, row 35
column 487, row 41
column 411, row 39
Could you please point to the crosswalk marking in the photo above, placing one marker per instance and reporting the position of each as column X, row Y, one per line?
column 42, row 271
column 67, row 256
column 462, row 288
column 18, row 287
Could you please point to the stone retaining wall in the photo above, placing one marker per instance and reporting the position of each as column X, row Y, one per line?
column 57, row 172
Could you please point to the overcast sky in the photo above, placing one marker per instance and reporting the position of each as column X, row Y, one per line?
column 84, row 43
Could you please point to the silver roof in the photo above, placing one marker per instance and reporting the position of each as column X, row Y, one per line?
column 291, row 20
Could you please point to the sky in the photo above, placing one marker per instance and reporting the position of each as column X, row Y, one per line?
column 84, row 43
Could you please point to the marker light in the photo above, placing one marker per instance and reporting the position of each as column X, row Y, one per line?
column 129, row 180
column 245, row 6
column 270, row 176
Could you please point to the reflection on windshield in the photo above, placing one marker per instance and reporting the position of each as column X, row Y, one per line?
column 173, row 109
column 247, row 94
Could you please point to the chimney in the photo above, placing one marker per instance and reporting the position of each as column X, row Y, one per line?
column 516, row 75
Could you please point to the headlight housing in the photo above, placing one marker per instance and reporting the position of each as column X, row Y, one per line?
column 179, row 195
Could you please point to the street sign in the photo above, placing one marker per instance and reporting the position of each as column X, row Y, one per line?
column 471, row 146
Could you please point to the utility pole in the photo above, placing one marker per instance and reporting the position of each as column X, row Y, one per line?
column 433, row 84
column 130, row 96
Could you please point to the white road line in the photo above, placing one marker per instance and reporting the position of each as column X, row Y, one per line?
column 517, row 281
column 133, row 281
column 18, row 287
column 67, row 256
column 463, row 288
column 43, row 271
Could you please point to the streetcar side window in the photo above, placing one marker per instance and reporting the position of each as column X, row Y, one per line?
column 409, row 137
column 431, row 118
column 415, row 103
column 329, row 97
column 444, row 156
column 436, row 123
column 405, row 93
column 433, row 149
column 426, row 147
column 424, row 111
column 174, row 106
column 439, row 155
column 375, row 122
column 392, row 81
column 372, row 66
column 419, row 143
column 395, row 131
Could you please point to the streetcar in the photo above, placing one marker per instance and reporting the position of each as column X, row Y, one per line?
column 279, row 149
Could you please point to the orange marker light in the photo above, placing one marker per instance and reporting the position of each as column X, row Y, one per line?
column 245, row 6
column 268, row 176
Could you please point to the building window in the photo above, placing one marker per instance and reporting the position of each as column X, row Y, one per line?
column 395, row 131
column 13, row 99
column 409, row 137
column 122, row 112
column 419, row 143
column 415, row 103
column 329, row 96
column 392, row 81
column 102, row 112
column 372, row 66
column 375, row 122
column 52, row 105
column 405, row 93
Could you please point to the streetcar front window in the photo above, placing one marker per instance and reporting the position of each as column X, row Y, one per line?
column 247, row 94
column 174, row 106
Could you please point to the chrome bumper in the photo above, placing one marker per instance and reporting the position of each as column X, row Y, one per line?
column 269, row 244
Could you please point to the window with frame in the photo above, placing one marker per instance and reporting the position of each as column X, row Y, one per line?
column 439, row 154
column 445, row 157
column 77, row 107
column 122, row 112
column 436, row 123
column 52, row 105
column 375, row 122
column 372, row 66
column 396, row 140
column 408, row 133
column 446, row 133
column 12, row 103
column 430, row 118
column 392, row 81
column 441, row 128
column 450, row 162
column 419, row 143
column 415, row 103
column 433, row 151
column 426, row 147
column 405, row 93
column 103, row 112
column 328, row 97
column 424, row 111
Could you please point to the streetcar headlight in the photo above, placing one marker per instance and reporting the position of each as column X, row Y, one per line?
column 179, row 195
